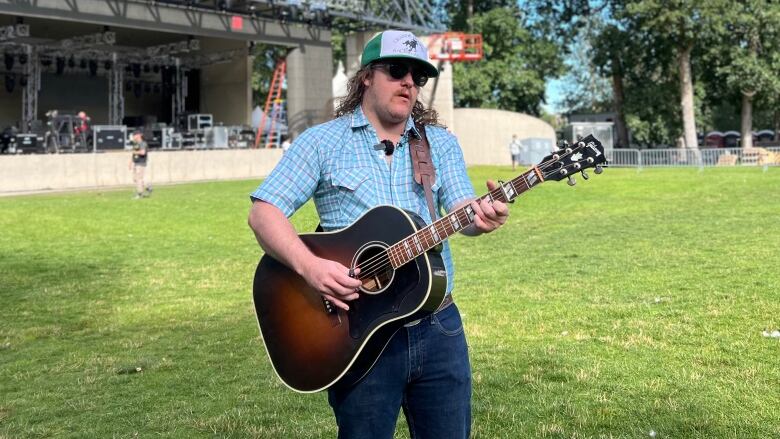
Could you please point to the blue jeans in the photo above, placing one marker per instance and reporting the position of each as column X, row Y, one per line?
column 425, row 370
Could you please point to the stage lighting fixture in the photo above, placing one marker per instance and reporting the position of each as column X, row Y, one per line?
column 10, row 82
column 71, row 63
column 46, row 62
column 22, row 58
column 136, row 70
column 93, row 67
column 146, row 68
column 83, row 63
column 108, row 64
column 156, row 68
column 23, row 81
column 9, row 61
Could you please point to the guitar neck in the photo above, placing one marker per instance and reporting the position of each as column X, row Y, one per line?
column 430, row 236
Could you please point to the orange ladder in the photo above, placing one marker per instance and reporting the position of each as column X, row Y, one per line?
column 274, row 96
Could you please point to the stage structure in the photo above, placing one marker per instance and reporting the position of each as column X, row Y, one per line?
column 180, row 47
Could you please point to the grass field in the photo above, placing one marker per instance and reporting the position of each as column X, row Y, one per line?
column 628, row 306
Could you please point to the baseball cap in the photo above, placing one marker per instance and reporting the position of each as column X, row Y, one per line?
column 396, row 44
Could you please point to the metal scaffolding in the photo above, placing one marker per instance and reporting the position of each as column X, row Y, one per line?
column 419, row 15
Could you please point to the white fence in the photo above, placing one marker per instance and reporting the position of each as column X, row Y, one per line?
column 675, row 157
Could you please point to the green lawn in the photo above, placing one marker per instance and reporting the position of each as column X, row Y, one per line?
column 631, row 303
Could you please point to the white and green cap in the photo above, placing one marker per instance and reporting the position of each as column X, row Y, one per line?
column 396, row 44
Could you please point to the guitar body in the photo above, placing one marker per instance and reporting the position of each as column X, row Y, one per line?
column 313, row 346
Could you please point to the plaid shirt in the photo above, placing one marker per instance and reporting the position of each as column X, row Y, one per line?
column 337, row 163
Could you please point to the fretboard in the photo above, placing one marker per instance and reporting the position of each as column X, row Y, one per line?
column 430, row 236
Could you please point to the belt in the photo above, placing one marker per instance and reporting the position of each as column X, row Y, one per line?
column 444, row 304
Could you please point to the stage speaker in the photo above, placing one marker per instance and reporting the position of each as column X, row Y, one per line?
column 27, row 143
column 109, row 136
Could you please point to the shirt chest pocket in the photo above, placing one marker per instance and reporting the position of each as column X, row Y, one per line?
column 354, row 191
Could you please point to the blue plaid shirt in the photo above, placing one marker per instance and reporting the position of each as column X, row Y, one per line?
column 336, row 163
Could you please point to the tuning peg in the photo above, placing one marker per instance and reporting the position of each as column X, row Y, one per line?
column 584, row 174
column 571, row 181
column 598, row 169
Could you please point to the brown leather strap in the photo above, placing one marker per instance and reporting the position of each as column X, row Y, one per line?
column 424, row 172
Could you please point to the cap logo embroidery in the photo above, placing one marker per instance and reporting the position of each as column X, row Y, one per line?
column 411, row 44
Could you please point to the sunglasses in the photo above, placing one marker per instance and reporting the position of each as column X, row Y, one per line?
column 398, row 70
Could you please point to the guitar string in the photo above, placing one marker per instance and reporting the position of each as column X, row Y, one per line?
column 380, row 261
column 370, row 268
column 384, row 259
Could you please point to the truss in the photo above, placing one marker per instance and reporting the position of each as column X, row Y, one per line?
column 417, row 15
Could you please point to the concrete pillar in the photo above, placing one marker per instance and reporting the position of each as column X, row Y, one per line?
column 355, row 44
column 309, row 89
column 437, row 94
column 226, row 88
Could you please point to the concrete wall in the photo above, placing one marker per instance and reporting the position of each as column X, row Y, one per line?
column 484, row 134
column 226, row 88
column 37, row 172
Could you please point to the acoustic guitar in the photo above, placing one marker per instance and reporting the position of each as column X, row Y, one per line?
column 314, row 345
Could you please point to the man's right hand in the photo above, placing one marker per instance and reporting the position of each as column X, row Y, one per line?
column 332, row 280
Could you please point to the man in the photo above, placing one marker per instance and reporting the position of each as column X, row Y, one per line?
column 347, row 168
column 514, row 150
column 137, row 164
column 82, row 129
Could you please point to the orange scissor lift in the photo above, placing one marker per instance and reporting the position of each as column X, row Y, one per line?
column 455, row 47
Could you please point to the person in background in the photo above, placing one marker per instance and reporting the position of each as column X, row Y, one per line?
column 514, row 151
column 348, row 166
column 82, row 128
column 138, row 162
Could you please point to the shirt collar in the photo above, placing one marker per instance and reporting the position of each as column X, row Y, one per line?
column 360, row 120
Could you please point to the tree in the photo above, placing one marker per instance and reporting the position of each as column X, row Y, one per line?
column 586, row 87
column 680, row 24
column 752, row 57
column 462, row 11
column 514, row 69
column 265, row 58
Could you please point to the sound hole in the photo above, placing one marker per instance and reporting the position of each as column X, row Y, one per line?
column 376, row 272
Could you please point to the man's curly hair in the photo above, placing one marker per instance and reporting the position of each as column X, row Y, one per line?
column 356, row 89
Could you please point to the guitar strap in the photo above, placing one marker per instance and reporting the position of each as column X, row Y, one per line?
column 424, row 172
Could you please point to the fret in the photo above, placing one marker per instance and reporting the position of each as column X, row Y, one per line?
column 408, row 249
column 416, row 241
column 435, row 234
column 469, row 213
column 428, row 237
column 455, row 222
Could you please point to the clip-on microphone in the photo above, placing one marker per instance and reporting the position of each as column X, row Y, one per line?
column 389, row 147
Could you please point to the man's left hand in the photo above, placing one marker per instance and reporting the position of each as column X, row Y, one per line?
column 489, row 215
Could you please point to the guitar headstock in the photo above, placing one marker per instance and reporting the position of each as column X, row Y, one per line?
column 570, row 159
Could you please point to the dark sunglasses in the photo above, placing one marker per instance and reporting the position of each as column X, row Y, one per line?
column 398, row 70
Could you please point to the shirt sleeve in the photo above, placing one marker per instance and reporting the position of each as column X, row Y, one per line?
column 455, row 183
column 294, row 179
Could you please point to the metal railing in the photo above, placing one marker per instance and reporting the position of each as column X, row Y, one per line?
column 675, row 157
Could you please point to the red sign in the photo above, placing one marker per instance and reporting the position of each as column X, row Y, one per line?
column 236, row 22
